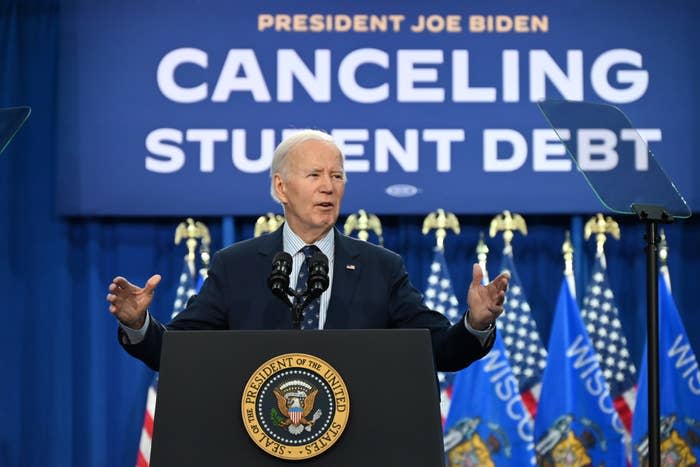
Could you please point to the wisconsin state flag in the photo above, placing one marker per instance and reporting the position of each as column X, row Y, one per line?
column 679, row 381
column 576, row 422
column 488, row 423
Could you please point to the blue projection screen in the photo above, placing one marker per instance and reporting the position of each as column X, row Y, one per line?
column 168, row 108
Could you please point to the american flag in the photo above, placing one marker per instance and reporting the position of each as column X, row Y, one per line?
column 526, row 353
column 440, row 296
column 186, row 288
column 602, row 321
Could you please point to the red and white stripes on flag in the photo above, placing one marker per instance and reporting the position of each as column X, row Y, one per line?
column 144, row 454
column 439, row 296
column 186, row 288
column 602, row 320
column 526, row 353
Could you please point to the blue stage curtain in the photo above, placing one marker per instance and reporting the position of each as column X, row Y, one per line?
column 69, row 395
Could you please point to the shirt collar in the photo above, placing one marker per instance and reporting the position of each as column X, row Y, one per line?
column 292, row 243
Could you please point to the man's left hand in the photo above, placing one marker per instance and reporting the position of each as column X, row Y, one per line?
column 485, row 302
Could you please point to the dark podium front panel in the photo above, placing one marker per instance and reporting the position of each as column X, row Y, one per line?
column 394, row 416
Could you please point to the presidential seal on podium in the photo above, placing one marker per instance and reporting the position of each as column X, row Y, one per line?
column 295, row 406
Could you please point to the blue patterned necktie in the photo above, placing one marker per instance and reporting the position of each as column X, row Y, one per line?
column 310, row 319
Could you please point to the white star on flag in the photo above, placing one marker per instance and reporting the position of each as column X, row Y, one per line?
column 439, row 296
column 601, row 317
column 525, row 351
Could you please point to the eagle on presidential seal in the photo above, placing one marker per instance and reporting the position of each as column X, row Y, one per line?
column 295, row 401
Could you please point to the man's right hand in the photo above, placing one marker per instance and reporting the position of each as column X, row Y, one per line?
column 128, row 302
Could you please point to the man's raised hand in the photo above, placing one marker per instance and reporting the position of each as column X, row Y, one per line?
column 128, row 302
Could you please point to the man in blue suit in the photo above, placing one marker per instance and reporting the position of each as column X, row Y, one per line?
column 369, row 287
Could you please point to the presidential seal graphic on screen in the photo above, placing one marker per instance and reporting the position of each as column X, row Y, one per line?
column 295, row 406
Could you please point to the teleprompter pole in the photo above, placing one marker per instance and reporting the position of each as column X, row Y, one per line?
column 652, row 215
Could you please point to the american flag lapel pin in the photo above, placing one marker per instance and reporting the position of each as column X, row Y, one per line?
column 350, row 267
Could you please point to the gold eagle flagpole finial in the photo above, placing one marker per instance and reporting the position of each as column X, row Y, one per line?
column 567, row 250
column 600, row 226
column 267, row 224
column 363, row 222
column 507, row 223
column 482, row 252
column 441, row 221
column 191, row 231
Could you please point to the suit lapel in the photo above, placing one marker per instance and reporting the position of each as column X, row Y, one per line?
column 271, row 243
column 276, row 314
column 346, row 275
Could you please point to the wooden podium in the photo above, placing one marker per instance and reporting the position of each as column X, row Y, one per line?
column 393, row 417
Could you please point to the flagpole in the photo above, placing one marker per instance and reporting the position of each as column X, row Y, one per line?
column 652, row 215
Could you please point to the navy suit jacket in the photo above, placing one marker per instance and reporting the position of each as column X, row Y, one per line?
column 374, row 293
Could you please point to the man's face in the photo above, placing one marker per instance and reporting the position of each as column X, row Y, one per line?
column 311, row 188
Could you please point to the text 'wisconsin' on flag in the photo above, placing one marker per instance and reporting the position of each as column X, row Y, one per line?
column 488, row 423
column 679, row 381
column 576, row 422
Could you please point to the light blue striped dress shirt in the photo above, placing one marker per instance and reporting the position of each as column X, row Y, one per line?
column 292, row 244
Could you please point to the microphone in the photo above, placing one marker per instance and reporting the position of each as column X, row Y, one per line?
column 278, row 281
column 318, row 275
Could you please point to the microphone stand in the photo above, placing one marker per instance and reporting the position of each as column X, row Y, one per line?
column 298, row 305
column 317, row 283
